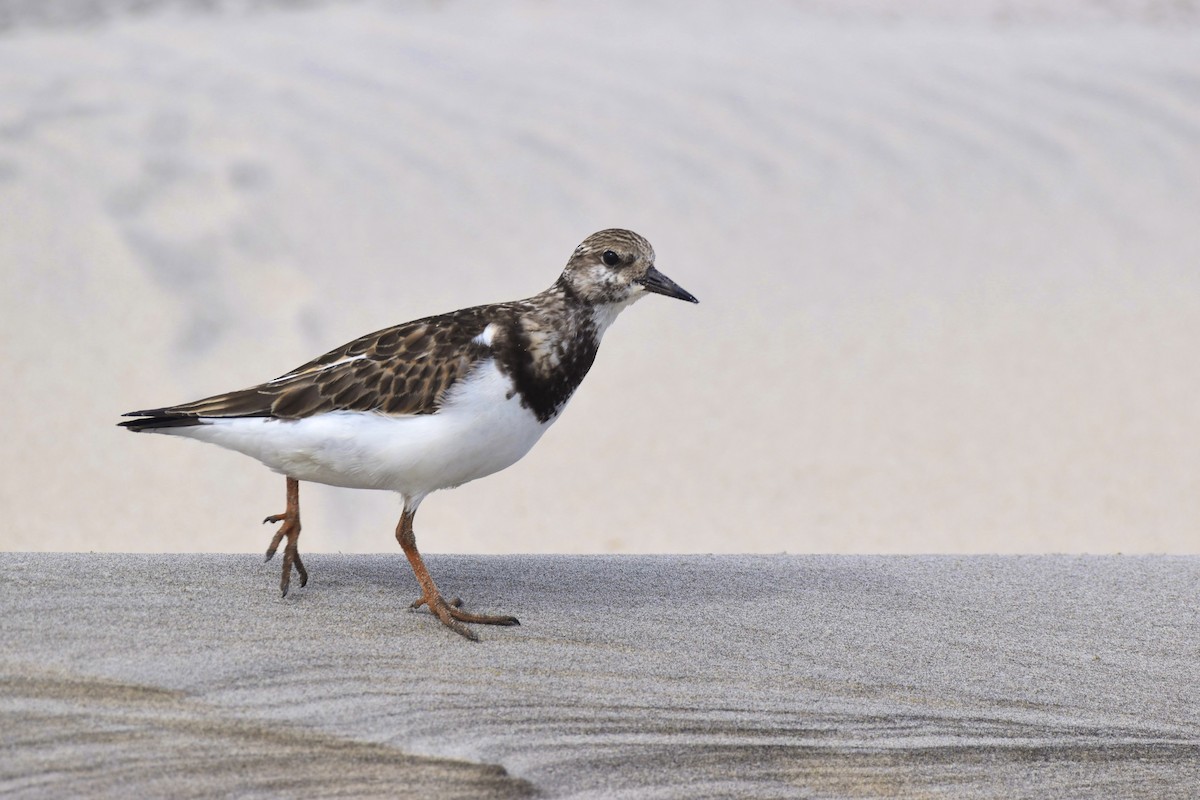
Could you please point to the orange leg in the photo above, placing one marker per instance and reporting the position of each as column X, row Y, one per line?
column 448, row 612
column 290, row 529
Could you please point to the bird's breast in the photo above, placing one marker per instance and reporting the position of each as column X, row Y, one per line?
column 545, row 367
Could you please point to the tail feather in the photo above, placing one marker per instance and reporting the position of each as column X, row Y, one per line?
column 158, row 418
column 243, row 403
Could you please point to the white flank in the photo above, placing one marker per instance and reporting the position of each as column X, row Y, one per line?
column 479, row 430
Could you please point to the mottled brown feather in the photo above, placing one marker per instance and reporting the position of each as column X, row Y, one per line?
column 405, row 369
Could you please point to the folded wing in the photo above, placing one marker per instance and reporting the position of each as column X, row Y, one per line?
column 406, row 369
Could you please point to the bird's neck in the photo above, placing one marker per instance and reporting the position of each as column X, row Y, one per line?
column 581, row 315
column 551, row 347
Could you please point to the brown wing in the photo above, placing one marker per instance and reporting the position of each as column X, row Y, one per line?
column 406, row 369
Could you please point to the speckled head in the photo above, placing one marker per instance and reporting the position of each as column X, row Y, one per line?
column 616, row 266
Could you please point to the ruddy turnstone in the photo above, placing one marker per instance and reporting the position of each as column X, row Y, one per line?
column 429, row 404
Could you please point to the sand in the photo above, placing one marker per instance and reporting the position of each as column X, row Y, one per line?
column 630, row 676
column 946, row 263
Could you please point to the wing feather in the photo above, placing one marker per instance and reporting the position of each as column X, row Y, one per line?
column 405, row 369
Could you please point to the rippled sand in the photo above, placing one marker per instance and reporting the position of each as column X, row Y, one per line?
column 630, row 676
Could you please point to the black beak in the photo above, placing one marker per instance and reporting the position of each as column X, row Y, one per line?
column 658, row 283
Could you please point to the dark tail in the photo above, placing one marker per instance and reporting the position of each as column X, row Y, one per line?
column 158, row 418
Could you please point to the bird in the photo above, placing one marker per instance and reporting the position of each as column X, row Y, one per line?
column 429, row 404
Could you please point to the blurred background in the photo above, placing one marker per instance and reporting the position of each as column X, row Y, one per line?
column 948, row 258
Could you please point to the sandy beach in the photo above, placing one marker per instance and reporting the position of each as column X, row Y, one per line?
column 946, row 263
column 629, row 677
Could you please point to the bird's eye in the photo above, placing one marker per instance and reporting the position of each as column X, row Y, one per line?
column 610, row 258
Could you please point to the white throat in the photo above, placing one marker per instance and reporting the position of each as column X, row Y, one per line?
column 605, row 314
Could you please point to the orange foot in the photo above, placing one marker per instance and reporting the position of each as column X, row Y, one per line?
column 452, row 616
column 291, row 553
column 290, row 529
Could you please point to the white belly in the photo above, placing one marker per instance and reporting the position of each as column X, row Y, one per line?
column 479, row 430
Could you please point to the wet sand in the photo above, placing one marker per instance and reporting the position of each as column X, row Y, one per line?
column 630, row 676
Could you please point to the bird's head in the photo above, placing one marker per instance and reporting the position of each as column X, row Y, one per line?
column 616, row 267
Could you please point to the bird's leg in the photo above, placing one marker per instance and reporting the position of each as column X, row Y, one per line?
column 448, row 612
column 291, row 529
